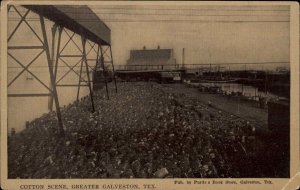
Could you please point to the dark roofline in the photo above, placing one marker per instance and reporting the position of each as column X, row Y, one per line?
column 65, row 15
column 149, row 49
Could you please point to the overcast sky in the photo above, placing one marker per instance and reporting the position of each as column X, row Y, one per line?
column 209, row 34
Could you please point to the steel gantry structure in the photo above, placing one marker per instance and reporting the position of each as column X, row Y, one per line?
column 68, row 21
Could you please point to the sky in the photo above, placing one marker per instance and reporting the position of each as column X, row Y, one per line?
column 209, row 34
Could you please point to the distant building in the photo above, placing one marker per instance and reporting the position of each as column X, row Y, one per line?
column 281, row 69
column 151, row 59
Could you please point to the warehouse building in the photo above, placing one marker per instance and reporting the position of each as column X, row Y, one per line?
column 151, row 59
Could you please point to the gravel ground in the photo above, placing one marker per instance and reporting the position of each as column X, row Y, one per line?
column 141, row 132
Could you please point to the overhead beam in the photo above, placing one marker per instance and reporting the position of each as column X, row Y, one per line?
column 70, row 85
column 30, row 95
column 73, row 18
column 25, row 47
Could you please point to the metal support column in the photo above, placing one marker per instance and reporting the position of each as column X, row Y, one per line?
column 53, row 31
column 60, row 29
column 97, row 58
column 87, row 71
column 113, row 67
column 55, row 55
column 79, row 80
column 102, row 63
column 52, row 79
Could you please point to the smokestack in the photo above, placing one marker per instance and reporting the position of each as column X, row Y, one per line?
column 158, row 47
column 144, row 47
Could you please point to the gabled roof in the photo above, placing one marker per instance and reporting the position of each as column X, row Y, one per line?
column 79, row 19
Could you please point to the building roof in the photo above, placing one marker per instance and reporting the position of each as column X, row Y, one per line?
column 79, row 19
column 151, row 54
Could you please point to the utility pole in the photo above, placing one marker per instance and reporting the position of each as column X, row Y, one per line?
column 266, row 82
column 182, row 57
column 209, row 63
